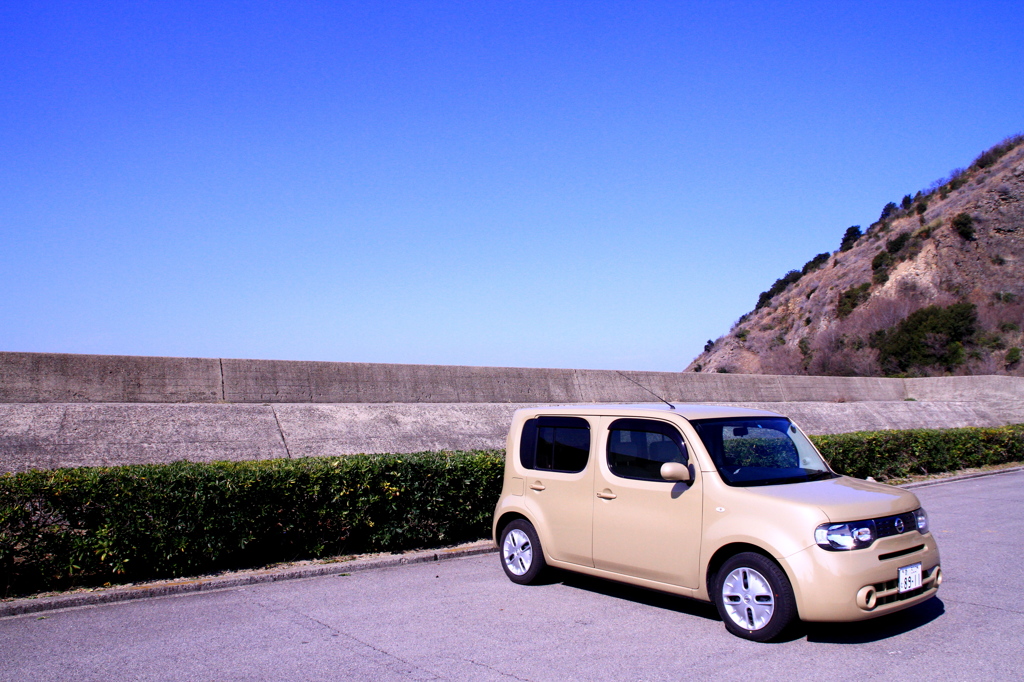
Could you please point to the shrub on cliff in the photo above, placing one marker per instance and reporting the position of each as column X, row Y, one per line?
column 777, row 288
column 932, row 336
column 963, row 223
column 815, row 263
column 851, row 298
column 990, row 156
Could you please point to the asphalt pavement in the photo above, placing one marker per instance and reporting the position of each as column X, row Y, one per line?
column 461, row 619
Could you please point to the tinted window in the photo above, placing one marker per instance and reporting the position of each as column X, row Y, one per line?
column 555, row 444
column 767, row 451
column 638, row 447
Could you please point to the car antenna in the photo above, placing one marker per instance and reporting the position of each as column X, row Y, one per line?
column 670, row 405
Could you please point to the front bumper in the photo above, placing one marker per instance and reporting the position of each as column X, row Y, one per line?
column 862, row 583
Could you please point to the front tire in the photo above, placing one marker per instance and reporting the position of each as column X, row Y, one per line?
column 521, row 553
column 754, row 597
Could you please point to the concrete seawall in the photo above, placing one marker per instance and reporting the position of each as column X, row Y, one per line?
column 64, row 378
column 77, row 410
column 47, row 436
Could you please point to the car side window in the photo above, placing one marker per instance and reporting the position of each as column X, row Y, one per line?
column 638, row 447
column 555, row 444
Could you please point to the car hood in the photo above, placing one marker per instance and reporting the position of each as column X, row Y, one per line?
column 846, row 499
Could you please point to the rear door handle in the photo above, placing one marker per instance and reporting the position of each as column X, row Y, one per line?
column 538, row 486
column 607, row 495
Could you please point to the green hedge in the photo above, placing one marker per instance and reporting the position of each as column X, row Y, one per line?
column 885, row 455
column 92, row 525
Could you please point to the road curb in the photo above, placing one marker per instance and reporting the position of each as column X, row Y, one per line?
column 959, row 477
column 268, row 575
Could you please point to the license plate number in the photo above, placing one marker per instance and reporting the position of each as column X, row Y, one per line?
column 910, row 578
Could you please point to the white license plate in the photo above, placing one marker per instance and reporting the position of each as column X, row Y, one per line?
column 910, row 578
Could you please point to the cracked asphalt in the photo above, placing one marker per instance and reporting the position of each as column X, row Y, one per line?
column 462, row 620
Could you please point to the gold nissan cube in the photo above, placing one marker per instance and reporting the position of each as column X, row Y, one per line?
column 721, row 504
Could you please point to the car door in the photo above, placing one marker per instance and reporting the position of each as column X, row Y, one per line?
column 645, row 526
column 556, row 453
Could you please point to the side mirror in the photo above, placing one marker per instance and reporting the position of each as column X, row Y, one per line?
column 675, row 471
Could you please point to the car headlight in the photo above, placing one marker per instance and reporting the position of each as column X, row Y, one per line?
column 922, row 520
column 843, row 536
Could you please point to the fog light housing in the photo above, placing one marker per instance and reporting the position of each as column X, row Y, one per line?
column 867, row 598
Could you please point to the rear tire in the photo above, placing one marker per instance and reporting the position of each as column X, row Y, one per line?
column 521, row 553
column 754, row 597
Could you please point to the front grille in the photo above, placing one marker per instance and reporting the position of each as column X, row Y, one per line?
column 888, row 592
column 886, row 526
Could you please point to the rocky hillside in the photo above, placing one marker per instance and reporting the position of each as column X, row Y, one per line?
column 935, row 286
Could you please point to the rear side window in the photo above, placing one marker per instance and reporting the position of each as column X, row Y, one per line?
column 638, row 447
column 555, row 444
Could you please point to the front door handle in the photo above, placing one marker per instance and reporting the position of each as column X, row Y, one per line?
column 607, row 494
column 538, row 486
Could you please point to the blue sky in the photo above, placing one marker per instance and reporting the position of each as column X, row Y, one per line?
column 545, row 184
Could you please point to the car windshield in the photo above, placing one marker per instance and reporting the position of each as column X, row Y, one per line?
column 761, row 451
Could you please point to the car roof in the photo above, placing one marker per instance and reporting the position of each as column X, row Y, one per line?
column 687, row 411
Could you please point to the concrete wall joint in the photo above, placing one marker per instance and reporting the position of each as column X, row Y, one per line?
column 280, row 431
column 220, row 363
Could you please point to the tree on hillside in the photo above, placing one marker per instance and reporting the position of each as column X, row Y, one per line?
column 850, row 237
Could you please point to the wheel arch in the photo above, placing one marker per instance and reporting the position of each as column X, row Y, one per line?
column 726, row 552
column 505, row 519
